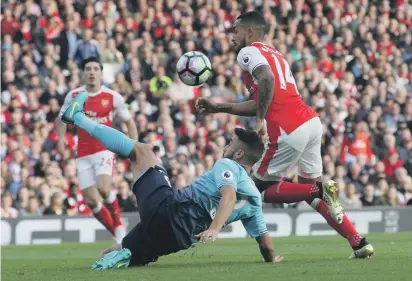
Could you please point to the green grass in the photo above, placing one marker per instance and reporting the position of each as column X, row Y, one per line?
column 311, row 258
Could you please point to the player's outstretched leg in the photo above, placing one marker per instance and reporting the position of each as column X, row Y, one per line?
column 112, row 139
column 287, row 192
column 361, row 247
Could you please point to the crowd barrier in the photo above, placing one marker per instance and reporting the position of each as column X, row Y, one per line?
column 280, row 222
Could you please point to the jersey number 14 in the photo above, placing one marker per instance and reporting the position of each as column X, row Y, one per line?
column 284, row 77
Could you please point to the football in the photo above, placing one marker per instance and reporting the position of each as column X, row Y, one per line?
column 193, row 68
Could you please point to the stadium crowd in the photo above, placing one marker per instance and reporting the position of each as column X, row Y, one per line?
column 352, row 62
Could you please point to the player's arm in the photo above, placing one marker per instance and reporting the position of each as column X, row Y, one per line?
column 251, row 60
column 256, row 228
column 225, row 208
column 225, row 174
column 226, row 205
column 246, row 108
column 266, row 85
column 61, row 132
column 61, row 126
column 266, row 247
column 131, row 128
column 124, row 114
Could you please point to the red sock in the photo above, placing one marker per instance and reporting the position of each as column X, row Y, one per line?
column 286, row 192
column 102, row 214
column 113, row 205
column 346, row 229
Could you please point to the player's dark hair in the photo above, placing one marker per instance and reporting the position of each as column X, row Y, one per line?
column 253, row 141
column 91, row 59
column 255, row 19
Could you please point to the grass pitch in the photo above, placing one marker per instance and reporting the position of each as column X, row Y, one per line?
column 308, row 259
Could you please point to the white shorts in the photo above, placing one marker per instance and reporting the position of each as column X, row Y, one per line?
column 300, row 148
column 91, row 166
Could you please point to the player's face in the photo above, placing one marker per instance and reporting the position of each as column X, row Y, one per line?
column 93, row 73
column 233, row 149
column 239, row 36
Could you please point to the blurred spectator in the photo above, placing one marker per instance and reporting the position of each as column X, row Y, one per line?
column 74, row 201
column 127, row 201
column 22, row 201
column 220, row 90
column 357, row 144
column 369, row 198
column 349, row 199
column 160, row 83
column 67, row 43
column 86, row 48
column 32, row 209
column 392, row 163
column 7, row 211
column 392, row 198
column 56, row 205
column 179, row 91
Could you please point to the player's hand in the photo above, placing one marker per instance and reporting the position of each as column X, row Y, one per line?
column 207, row 235
column 204, row 106
column 260, row 128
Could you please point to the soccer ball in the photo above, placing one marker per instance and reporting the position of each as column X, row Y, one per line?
column 194, row 68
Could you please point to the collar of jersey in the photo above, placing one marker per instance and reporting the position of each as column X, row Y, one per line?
column 95, row 93
column 257, row 42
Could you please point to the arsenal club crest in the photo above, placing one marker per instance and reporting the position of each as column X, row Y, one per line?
column 105, row 103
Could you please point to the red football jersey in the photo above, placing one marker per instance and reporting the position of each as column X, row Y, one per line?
column 100, row 107
column 287, row 110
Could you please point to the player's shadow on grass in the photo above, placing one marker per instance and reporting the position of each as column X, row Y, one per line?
column 203, row 264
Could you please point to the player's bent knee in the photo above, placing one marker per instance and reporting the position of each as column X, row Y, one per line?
column 104, row 184
column 91, row 202
column 91, row 197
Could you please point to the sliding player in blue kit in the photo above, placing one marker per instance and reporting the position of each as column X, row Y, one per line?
column 171, row 219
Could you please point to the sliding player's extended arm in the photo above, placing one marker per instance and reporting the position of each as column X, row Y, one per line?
column 226, row 205
column 256, row 228
column 225, row 174
column 62, row 126
column 266, row 247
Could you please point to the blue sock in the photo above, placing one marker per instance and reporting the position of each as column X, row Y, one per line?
column 112, row 139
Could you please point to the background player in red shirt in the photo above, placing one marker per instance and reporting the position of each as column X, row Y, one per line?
column 293, row 129
column 95, row 163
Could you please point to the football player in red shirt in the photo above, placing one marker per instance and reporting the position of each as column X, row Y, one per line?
column 95, row 164
column 292, row 129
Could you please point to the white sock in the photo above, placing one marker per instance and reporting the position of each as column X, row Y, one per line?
column 111, row 198
column 315, row 203
column 97, row 208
